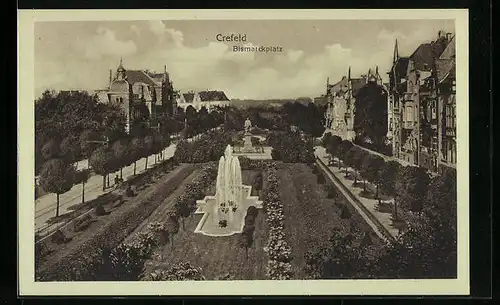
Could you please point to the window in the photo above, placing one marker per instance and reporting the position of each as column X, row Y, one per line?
column 434, row 114
column 409, row 116
column 453, row 86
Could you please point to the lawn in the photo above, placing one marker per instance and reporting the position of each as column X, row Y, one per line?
column 310, row 217
column 218, row 257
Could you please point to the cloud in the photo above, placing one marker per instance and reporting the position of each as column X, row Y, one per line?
column 292, row 73
column 134, row 28
column 105, row 43
column 294, row 55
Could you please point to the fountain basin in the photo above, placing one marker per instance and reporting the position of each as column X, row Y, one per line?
column 209, row 223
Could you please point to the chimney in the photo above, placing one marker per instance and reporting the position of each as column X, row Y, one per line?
column 110, row 75
column 440, row 33
column 448, row 36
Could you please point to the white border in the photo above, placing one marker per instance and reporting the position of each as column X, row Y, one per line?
column 27, row 286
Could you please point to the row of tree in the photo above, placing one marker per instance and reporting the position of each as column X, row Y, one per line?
column 427, row 246
column 58, row 174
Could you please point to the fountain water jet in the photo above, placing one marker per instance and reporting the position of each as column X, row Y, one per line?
column 231, row 200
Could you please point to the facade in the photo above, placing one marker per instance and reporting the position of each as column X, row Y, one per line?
column 341, row 103
column 447, row 123
column 414, row 102
column 208, row 99
column 141, row 94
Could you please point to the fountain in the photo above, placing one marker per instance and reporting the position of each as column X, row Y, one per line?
column 225, row 212
column 228, row 189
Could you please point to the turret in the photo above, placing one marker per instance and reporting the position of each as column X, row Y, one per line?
column 121, row 72
column 396, row 53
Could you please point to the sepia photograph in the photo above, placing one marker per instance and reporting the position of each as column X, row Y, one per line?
column 233, row 152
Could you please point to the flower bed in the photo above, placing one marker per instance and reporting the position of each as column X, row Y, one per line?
column 141, row 247
column 278, row 250
column 83, row 260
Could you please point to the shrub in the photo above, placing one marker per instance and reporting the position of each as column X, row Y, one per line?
column 59, row 237
column 82, row 223
column 100, row 211
column 177, row 272
column 331, row 192
column 345, row 213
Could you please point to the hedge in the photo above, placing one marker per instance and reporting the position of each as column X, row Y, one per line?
column 84, row 260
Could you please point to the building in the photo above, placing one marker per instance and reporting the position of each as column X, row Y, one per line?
column 208, row 99
column 413, row 102
column 142, row 95
column 446, row 91
column 341, row 102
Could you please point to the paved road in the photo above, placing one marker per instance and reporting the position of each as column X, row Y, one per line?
column 45, row 206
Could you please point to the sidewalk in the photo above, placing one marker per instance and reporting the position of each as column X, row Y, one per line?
column 45, row 206
column 383, row 218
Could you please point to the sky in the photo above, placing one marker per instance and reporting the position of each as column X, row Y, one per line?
column 79, row 55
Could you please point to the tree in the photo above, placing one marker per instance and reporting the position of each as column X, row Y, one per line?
column 172, row 225
column 82, row 176
column 332, row 146
column 388, row 177
column 352, row 158
column 114, row 122
column 158, row 145
column 325, row 140
column 148, row 148
column 70, row 148
column 88, row 142
column 425, row 249
column 371, row 170
column 101, row 162
column 64, row 114
column 121, row 157
column 246, row 238
column 183, row 208
column 136, row 148
column 370, row 118
column 50, row 150
column 340, row 257
column 441, row 198
column 342, row 150
column 411, row 187
column 57, row 177
column 123, row 263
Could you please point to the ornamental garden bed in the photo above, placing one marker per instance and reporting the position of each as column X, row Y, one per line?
column 218, row 257
column 310, row 217
column 73, row 260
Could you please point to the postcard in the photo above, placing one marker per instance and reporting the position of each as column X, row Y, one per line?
column 243, row 152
